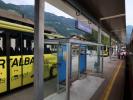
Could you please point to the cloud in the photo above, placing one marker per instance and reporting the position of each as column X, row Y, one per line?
column 56, row 11
column 20, row 2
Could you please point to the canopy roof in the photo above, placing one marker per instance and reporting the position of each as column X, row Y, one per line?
column 112, row 13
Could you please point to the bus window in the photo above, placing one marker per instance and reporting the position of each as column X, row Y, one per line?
column 1, row 46
column 24, row 43
column 1, row 42
column 54, row 48
column 12, row 47
column 47, row 49
column 45, row 37
column 28, row 45
column 32, row 45
column 50, row 49
column 103, row 47
column 15, row 45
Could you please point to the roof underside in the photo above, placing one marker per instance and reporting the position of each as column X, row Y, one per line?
column 105, row 8
column 96, row 9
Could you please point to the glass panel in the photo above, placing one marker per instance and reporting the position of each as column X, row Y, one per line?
column 92, row 59
column 56, row 86
column 75, row 61
column 50, row 69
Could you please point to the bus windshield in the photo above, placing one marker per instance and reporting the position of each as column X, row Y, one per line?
column 48, row 49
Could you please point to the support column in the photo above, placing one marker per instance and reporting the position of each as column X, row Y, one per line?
column 99, row 50
column 79, row 62
column 115, row 48
column 110, row 47
column 118, row 47
column 68, row 69
column 38, row 50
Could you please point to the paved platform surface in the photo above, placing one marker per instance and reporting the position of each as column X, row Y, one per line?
column 82, row 89
column 117, row 88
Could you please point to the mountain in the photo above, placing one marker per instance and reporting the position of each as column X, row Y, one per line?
column 10, row 7
column 62, row 25
column 129, row 29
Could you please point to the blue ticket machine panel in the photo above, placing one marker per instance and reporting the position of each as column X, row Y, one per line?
column 83, row 58
column 62, row 63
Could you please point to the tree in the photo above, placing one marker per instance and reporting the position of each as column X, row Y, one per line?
column 104, row 39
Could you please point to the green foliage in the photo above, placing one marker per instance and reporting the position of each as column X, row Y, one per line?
column 104, row 39
column 92, row 47
column 93, row 37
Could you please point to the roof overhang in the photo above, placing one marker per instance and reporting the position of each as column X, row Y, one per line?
column 4, row 14
column 112, row 11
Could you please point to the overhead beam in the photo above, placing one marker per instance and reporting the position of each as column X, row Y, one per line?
column 119, row 30
column 112, row 17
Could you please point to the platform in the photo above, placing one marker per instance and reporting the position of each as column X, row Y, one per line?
column 82, row 89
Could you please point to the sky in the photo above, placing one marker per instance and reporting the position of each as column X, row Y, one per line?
column 48, row 7
column 129, row 12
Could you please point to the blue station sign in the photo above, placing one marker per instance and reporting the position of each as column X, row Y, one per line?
column 83, row 27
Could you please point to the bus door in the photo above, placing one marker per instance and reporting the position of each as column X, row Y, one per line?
column 28, row 60
column 3, row 64
column 15, row 60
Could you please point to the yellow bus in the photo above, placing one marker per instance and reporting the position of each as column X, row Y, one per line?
column 16, row 56
column 105, row 52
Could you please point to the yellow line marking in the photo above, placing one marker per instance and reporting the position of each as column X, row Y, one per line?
column 111, row 83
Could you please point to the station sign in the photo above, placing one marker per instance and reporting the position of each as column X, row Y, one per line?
column 83, row 27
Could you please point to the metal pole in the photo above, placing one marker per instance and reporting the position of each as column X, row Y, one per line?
column 110, row 47
column 117, row 47
column 99, row 48
column 58, row 50
column 79, row 62
column 68, row 69
column 102, row 63
column 39, row 50
column 86, row 60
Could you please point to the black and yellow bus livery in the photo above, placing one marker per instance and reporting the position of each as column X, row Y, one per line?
column 16, row 56
column 105, row 51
